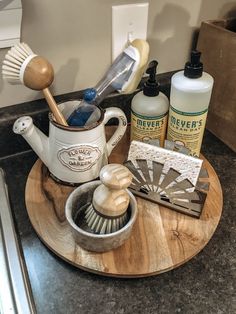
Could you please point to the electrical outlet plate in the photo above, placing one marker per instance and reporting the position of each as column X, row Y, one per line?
column 129, row 22
column 10, row 22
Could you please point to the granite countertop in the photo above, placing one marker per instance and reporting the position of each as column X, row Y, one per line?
column 206, row 284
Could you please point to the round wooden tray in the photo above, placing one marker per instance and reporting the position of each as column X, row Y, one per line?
column 161, row 240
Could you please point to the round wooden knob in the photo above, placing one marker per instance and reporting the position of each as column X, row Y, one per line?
column 116, row 176
column 110, row 203
column 38, row 74
column 110, row 198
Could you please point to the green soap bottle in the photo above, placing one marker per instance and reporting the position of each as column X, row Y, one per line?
column 149, row 110
column 189, row 100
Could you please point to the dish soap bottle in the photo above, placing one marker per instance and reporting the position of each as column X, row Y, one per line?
column 189, row 100
column 149, row 109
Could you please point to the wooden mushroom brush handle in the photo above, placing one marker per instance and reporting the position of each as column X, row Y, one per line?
column 38, row 75
column 111, row 198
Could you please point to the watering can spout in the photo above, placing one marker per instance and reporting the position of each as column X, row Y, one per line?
column 35, row 138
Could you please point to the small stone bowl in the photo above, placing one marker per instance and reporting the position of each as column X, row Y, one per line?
column 76, row 205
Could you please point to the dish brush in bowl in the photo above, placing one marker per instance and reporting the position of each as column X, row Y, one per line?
column 92, row 229
column 108, row 211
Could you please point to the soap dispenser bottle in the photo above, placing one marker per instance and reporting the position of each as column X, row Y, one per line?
column 149, row 109
column 189, row 100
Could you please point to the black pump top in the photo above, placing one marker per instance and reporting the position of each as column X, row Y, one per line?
column 194, row 68
column 151, row 87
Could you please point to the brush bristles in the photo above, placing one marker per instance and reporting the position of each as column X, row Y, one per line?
column 102, row 225
column 13, row 61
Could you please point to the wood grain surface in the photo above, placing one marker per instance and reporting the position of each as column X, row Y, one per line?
column 215, row 36
column 161, row 240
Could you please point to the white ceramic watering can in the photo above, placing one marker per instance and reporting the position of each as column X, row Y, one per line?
column 73, row 155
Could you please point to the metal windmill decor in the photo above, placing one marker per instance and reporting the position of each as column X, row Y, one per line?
column 168, row 178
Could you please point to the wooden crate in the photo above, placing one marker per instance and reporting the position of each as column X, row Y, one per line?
column 217, row 42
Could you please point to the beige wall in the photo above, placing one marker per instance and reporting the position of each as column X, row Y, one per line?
column 75, row 36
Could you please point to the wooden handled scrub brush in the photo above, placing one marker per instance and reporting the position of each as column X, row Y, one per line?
column 35, row 72
column 123, row 75
column 108, row 211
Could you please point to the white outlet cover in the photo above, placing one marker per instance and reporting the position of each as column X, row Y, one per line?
column 10, row 22
column 129, row 22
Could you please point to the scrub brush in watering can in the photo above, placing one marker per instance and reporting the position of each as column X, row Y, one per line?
column 123, row 76
column 35, row 72
column 108, row 210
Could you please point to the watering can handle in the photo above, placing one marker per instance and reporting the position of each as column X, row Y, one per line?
column 110, row 113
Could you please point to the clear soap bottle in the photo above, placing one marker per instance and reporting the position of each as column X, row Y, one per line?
column 149, row 110
column 189, row 100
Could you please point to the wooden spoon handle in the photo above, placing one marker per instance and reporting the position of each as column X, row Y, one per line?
column 53, row 107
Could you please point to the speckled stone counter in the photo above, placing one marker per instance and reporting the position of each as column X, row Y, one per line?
column 206, row 284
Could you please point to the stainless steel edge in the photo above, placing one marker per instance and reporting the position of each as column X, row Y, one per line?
column 15, row 292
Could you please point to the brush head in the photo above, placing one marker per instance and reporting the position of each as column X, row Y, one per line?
column 15, row 62
column 142, row 48
column 22, row 65
column 108, row 211
column 102, row 224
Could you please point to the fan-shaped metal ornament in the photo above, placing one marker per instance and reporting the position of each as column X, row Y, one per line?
column 169, row 187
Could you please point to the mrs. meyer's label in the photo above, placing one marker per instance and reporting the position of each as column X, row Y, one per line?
column 187, row 128
column 145, row 128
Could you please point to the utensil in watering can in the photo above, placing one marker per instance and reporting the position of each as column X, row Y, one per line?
column 22, row 65
column 123, row 76
column 73, row 155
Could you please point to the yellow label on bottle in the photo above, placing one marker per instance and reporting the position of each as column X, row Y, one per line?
column 145, row 128
column 187, row 129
